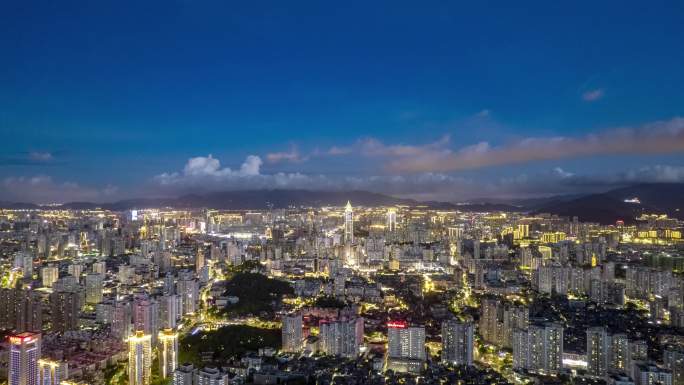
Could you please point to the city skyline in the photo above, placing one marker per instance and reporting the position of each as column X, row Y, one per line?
column 444, row 102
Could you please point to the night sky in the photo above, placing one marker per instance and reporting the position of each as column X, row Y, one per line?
column 104, row 100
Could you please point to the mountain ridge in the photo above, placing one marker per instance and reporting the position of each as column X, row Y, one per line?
column 266, row 198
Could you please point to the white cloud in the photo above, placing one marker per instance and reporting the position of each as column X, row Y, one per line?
column 208, row 167
column 40, row 156
column 292, row 155
column 593, row 95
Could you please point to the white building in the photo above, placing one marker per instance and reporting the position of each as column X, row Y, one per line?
column 406, row 347
column 292, row 333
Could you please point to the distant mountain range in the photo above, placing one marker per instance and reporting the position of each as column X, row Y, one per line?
column 263, row 199
column 624, row 203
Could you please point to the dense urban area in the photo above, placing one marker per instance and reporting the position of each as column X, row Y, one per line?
column 338, row 295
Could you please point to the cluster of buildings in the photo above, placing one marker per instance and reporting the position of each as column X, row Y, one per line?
column 91, row 295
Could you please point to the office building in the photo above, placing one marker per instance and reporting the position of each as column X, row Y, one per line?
column 348, row 223
column 23, row 359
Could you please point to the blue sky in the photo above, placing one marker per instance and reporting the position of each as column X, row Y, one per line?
column 106, row 100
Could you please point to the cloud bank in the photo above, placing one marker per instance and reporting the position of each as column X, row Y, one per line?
column 662, row 137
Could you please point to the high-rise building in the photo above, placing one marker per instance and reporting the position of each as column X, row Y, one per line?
column 121, row 319
column 598, row 350
column 673, row 359
column 168, row 311
column 184, row 375
column 146, row 316
column 619, row 353
column 24, row 262
column 21, row 310
column 50, row 275
column 391, row 220
column 406, row 347
column 99, row 268
column 292, row 333
column 168, row 352
column 187, row 288
column 650, row 374
column 65, row 307
column 93, row 287
column 23, row 359
column 348, row 223
column 457, row 342
column 139, row 359
column 75, row 270
column 341, row 337
column 539, row 349
column 52, row 372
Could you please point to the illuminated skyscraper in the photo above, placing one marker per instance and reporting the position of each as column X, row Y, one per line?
column 168, row 352
column 348, row 223
column 292, row 333
column 139, row 359
column 391, row 220
column 23, row 359
column 52, row 372
column 457, row 342
column 406, row 347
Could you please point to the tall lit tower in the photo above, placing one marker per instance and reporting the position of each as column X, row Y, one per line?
column 168, row 352
column 23, row 360
column 52, row 372
column 391, row 220
column 139, row 359
column 348, row 223
column 292, row 333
